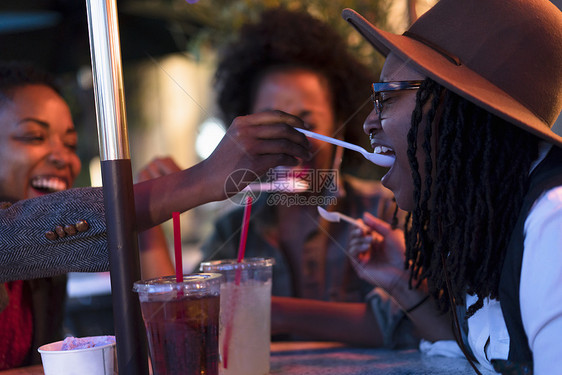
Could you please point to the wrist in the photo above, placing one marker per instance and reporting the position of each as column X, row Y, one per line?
column 408, row 298
column 400, row 287
column 207, row 183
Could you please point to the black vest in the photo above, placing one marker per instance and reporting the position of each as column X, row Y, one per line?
column 547, row 175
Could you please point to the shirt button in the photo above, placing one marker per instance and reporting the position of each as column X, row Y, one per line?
column 60, row 231
column 70, row 230
column 51, row 235
column 82, row 226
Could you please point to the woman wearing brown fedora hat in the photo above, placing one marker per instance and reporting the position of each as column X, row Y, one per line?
column 466, row 102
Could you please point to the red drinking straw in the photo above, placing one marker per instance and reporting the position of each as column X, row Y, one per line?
column 177, row 247
column 245, row 224
column 241, row 252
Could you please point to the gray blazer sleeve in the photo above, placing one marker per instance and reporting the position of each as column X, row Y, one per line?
column 26, row 253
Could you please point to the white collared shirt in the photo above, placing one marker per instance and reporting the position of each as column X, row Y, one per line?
column 487, row 334
column 540, row 294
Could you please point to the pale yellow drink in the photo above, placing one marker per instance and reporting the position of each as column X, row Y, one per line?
column 245, row 316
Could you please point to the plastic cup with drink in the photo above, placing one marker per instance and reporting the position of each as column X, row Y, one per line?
column 245, row 322
column 182, row 323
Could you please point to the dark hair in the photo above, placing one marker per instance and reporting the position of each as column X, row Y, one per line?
column 467, row 207
column 286, row 39
column 15, row 74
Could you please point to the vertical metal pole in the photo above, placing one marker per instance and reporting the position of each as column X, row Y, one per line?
column 117, row 179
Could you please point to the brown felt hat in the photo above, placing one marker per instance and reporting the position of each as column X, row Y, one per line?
column 503, row 55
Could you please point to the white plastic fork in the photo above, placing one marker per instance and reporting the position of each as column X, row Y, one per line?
column 378, row 159
column 336, row 217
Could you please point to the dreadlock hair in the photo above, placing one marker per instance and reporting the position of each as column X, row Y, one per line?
column 14, row 74
column 476, row 175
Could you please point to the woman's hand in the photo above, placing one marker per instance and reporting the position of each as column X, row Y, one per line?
column 379, row 253
column 252, row 145
column 379, row 256
column 157, row 167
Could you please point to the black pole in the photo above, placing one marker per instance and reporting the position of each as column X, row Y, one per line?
column 130, row 335
column 125, row 266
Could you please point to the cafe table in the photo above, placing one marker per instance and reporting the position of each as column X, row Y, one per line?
column 317, row 358
column 326, row 358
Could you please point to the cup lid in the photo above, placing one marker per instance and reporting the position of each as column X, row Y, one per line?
column 197, row 282
column 232, row 264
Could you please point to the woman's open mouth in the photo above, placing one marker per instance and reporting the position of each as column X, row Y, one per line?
column 383, row 150
column 48, row 184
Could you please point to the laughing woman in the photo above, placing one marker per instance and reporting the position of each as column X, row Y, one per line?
column 38, row 157
column 467, row 99
column 38, row 153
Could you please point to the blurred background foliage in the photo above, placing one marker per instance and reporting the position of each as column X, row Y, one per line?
column 225, row 17
column 208, row 24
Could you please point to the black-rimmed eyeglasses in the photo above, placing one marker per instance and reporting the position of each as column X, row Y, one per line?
column 380, row 87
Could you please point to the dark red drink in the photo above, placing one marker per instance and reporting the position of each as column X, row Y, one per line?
column 182, row 330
